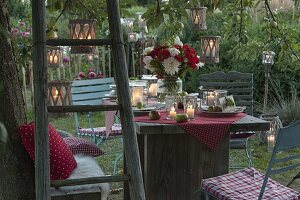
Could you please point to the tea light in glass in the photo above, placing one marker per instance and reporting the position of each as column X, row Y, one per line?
column 137, row 95
column 210, row 99
column 190, row 106
column 170, row 106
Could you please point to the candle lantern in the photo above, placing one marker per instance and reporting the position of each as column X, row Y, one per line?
column 152, row 85
column 207, row 96
column 219, row 94
column 198, row 18
column 268, row 57
column 54, row 56
column 137, row 92
column 190, row 106
column 267, row 61
column 210, row 48
column 132, row 37
column 171, row 106
column 128, row 22
column 82, row 29
column 271, row 134
column 59, row 93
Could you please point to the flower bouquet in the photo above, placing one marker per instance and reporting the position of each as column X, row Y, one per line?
column 171, row 62
column 91, row 74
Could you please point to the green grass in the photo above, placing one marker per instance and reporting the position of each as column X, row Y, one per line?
column 259, row 151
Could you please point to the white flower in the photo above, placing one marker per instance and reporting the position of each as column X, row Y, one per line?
column 199, row 64
column 148, row 50
column 147, row 60
column 171, row 65
column 178, row 41
column 173, row 51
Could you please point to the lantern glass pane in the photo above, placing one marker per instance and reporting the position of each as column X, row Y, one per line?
column 210, row 49
column 198, row 18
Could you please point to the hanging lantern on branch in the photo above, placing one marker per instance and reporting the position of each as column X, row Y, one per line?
column 198, row 18
column 210, row 49
column 82, row 29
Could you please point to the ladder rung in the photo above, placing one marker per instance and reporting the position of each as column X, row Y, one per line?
column 82, row 108
column 78, row 42
column 90, row 180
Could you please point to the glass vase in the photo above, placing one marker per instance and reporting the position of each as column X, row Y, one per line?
column 170, row 85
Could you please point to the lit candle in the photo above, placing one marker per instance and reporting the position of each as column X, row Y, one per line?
column 51, row 59
column 153, row 90
column 211, row 49
column 172, row 114
column 271, row 142
column 55, row 59
column 190, row 111
column 197, row 20
column 210, row 99
column 137, row 95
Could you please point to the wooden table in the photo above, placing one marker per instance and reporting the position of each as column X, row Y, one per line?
column 173, row 163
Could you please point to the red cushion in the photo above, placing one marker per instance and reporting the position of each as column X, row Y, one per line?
column 62, row 161
column 80, row 145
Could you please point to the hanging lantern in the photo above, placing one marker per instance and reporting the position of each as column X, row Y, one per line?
column 128, row 22
column 132, row 37
column 268, row 57
column 54, row 56
column 141, row 21
column 210, row 48
column 82, row 29
column 198, row 18
column 59, row 93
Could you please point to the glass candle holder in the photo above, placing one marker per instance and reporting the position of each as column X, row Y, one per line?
column 170, row 106
column 219, row 94
column 190, row 106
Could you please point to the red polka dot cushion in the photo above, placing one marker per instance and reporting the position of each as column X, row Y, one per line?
column 62, row 161
column 80, row 145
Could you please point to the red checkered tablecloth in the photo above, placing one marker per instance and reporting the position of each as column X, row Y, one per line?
column 209, row 130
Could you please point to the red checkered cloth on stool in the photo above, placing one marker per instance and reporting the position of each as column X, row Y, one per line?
column 245, row 184
column 81, row 145
column 116, row 129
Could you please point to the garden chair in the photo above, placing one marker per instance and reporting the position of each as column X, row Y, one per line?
column 252, row 185
column 240, row 85
column 93, row 92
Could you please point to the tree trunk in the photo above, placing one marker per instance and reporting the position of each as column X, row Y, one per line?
column 17, row 170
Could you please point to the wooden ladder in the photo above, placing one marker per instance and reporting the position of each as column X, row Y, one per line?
column 133, row 166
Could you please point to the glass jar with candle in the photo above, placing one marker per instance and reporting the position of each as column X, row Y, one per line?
column 170, row 106
column 219, row 94
column 190, row 106
column 271, row 140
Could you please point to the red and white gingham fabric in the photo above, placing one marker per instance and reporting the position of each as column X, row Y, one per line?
column 116, row 129
column 245, row 184
column 81, row 145
column 209, row 130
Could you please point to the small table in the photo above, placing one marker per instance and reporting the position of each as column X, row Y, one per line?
column 173, row 163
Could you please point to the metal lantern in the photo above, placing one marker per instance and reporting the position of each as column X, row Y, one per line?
column 82, row 29
column 198, row 18
column 128, row 22
column 54, row 56
column 59, row 93
column 210, row 48
column 132, row 37
column 268, row 57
